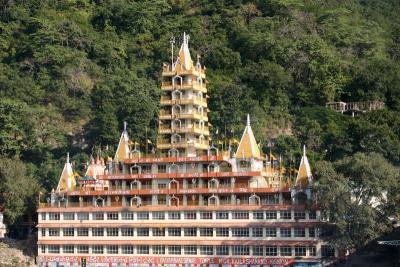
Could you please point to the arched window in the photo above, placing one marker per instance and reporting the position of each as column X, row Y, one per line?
column 173, row 168
column 176, row 110
column 176, row 124
column 176, row 139
column 174, row 201
column 177, row 81
column 254, row 200
column 173, row 152
column 213, row 200
column 212, row 151
column 173, row 184
column 176, row 95
column 136, row 201
column 135, row 169
column 213, row 183
column 100, row 202
column 135, row 184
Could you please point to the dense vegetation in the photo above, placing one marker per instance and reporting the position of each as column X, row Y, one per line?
column 72, row 71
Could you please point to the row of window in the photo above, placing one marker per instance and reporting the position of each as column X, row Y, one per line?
column 186, row 215
column 177, row 231
column 224, row 250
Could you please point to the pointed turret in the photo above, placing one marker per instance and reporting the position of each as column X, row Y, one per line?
column 304, row 175
column 184, row 60
column 123, row 146
column 67, row 180
column 248, row 147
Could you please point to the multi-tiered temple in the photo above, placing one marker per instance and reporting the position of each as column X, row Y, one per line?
column 191, row 205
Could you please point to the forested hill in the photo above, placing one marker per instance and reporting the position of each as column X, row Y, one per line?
column 72, row 71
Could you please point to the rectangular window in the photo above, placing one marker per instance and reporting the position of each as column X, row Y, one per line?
column 258, row 251
column 97, row 231
column 112, row 231
column 299, row 251
column 257, row 232
column 312, row 215
column 222, row 215
column 271, row 199
column 270, row 215
column 82, row 216
column 143, row 249
column 327, row 251
column 68, row 231
column 43, row 216
column 43, row 248
column 311, row 232
column 222, row 232
column 190, row 231
column 206, row 215
column 222, row 250
column 240, row 232
column 190, row 250
column 68, row 249
column 312, row 251
column 143, row 231
column 127, row 231
column 258, row 215
column 162, row 168
column 299, row 215
column 43, row 231
column 286, row 214
column 112, row 249
column 270, row 232
column 240, row 250
column 286, row 232
column 54, row 231
column 206, row 231
column 190, row 215
column 70, row 216
column 240, row 215
column 83, row 249
column 54, row 216
column 142, row 215
column 158, row 231
column 55, row 249
column 206, row 250
column 161, row 186
column 158, row 215
column 174, row 215
column 159, row 249
column 98, row 216
column 271, row 251
column 83, row 231
column 127, row 216
column 97, row 249
column 112, row 216
column 127, row 249
column 299, row 232
column 174, row 231
column 285, row 251
column 174, row 250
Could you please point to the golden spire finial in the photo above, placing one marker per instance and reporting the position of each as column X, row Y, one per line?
column 304, row 175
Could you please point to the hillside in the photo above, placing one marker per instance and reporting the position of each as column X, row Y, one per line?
column 72, row 71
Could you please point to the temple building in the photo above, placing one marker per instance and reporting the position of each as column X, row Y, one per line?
column 190, row 204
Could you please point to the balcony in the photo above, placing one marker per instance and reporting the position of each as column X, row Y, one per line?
column 167, row 115
column 167, row 101
column 168, row 71
column 198, row 144
column 184, row 129
column 195, row 86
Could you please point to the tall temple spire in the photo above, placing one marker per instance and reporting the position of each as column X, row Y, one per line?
column 183, row 121
column 184, row 60
column 123, row 146
column 67, row 179
column 248, row 147
column 304, row 175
